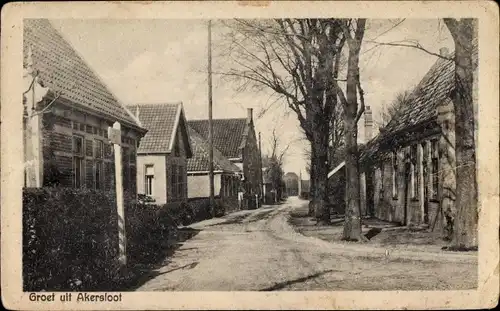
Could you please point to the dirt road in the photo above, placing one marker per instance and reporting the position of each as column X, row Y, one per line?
column 259, row 251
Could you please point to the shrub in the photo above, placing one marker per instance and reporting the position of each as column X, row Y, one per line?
column 70, row 238
column 148, row 232
column 200, row 208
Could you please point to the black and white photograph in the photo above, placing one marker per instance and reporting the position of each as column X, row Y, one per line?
column 251, row 154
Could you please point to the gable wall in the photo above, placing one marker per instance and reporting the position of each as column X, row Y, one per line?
column 251, row 163
column 180, row 162
column 58, row 129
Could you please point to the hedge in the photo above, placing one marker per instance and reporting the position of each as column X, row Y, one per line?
column 70, row 236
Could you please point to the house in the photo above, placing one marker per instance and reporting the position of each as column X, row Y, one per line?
column 408, row 170
column 236, row 140
column 291, row 184
column 163, row 153
column 67, row 113
column 227, row 177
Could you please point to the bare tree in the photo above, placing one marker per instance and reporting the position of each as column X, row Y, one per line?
column 274, row 161
column 465, row 223
column 298, row 59
column 353, row 31
column 335, row 144
column 394, row 108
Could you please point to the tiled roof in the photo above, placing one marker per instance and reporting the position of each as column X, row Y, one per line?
column 229, row 134
column 422, row 105
column 200, row 160
column 160, row 120
column 432, row 90
column 62, row 69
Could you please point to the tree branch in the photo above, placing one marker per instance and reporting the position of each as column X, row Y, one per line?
column 415, row 46
column 361, row 99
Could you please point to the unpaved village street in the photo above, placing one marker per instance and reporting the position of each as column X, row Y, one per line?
column 258, row 250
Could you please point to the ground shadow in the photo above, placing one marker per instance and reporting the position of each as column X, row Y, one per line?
column 372, row 233
column 145, row 267
column 285, row 284
column 239, row 219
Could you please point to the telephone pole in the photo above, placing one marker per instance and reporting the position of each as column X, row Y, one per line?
column 210, row 125
column 261, row 181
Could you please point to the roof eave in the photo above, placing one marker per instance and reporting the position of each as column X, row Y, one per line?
column 82, row 108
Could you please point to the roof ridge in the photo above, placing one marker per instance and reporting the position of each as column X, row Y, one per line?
column 219, row 119
column 63, row 68
column 92, row 69
column 416, row 90
column 155, row 104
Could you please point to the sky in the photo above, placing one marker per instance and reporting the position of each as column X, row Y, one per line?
column 165, row 60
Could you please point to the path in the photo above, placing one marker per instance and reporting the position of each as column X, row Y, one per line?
column 259, row 250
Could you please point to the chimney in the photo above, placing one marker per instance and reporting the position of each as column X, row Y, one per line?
column 368, row 124
column 444, row 52
column 137, row 111
column 249, row 115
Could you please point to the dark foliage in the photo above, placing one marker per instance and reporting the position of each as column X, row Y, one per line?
column 70, row 238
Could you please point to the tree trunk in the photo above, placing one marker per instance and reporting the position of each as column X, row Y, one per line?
column 312, row 183
column 465, row 225
column 320, row 164
column 352, row 222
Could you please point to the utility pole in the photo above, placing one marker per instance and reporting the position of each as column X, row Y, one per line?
column 210, row 125
column 261, row 181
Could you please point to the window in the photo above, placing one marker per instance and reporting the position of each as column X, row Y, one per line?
column 434, row 169
column 382, row 176
column 99, row 175
column 149, row 177
column 99, row 149
column 78, row 156
column 414, row 177
column 394, row 174
column 98, row 164
column 177, row 183
column 180, row 182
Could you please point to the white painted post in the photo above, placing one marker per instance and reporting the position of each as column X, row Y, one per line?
column 114, row 135
column 36, row 141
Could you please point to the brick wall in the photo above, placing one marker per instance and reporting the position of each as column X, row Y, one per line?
column 57, row 139
column 251, row 162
